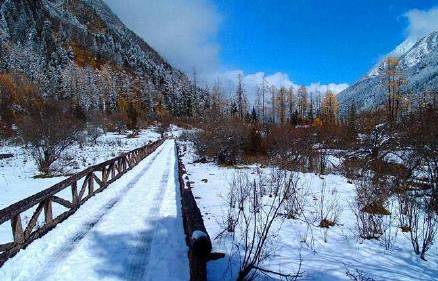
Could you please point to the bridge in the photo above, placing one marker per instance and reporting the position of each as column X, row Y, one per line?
column 130, row 218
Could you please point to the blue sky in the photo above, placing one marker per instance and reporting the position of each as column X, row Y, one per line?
column 318, row 43
column 326, row 41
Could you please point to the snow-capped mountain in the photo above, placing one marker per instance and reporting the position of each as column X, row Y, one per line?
column 418, row 62
column 53, row 42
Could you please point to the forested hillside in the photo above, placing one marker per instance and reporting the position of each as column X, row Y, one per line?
column 78, row 50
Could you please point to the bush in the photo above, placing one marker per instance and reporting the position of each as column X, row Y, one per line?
column 420, row 221
column 253, row 217
column 223, row 141
column 369, row 209
column 47, row 131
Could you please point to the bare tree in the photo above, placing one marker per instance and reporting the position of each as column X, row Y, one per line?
column 369, row 209
column 48, row 132
column 421, row 221
column 255, row 210
column 328, row 205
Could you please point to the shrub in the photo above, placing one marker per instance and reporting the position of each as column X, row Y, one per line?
column 223, row 141
column 47, row 132
column 369, row 209
column 420, row 220
column 254, row 211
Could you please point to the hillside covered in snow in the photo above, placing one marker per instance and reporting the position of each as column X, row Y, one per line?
column 78, row 49
column 418, row 63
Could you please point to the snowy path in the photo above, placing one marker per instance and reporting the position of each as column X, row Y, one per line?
column 132, row 231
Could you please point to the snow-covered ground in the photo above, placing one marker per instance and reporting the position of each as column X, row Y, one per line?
column 17, row 174
column 131, row 231
column 326, row 255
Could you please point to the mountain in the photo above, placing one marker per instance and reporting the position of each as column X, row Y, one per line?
column 79, row 49
column 418, row 62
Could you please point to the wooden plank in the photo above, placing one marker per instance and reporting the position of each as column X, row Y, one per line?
column 99, row 182
column 17, row 229
column 113, row 170
column 33, row 220
column 74, row 194
column 119, row 165
column 104, row 175
column 62, row 201
column 48, row 212
column 83, row 188
column 91, row 183
column 6, row 247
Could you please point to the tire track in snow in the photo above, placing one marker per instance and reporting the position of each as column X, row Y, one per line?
column 142, row 254
column 64, row 252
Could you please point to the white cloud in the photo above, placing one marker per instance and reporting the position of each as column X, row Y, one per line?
column 182, row 31
column 421, row 23
column 335, row 88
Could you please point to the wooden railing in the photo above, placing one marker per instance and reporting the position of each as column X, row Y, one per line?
column 197, row 237
column 81, row 186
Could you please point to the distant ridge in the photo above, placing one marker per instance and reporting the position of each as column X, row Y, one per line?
column 418, row 61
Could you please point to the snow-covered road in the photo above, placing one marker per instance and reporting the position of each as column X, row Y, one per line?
column 132, row 231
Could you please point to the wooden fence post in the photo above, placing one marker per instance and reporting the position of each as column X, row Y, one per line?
column 74, row 194
column 104, row 175
column 17, row 229
column 90, row 184
column 48, row 212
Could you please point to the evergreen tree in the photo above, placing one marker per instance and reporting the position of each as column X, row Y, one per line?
column 240, row 97
column 254, row 115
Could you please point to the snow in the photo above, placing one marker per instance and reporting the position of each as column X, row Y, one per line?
column 17, row 174
column 326, row 254
column 417, row 61
column 197, row 234
column 131, row 231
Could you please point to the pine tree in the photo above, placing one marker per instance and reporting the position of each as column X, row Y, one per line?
column 303, row 102
column 263, row 92
column 352, row 119
column 281, row 105
column 394, row 82
column 290, row 103
column 254, row 115
column 273, row 100
column 329, row 108
column 310, row 113
column 234, row 109
column 240, row 97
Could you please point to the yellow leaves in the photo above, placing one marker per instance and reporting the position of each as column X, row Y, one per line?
column 86, row 16
column 392, row 62
column 160, row 110
column 317, row 123
column 122, row 104
column 330, row 107
column 84, row 57
column 17, row 90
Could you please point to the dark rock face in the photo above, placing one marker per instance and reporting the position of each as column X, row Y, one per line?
column 51, row 41
column 418, row 63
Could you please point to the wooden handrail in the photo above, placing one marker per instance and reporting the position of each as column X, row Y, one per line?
column 197, row 237
column 92, row 184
